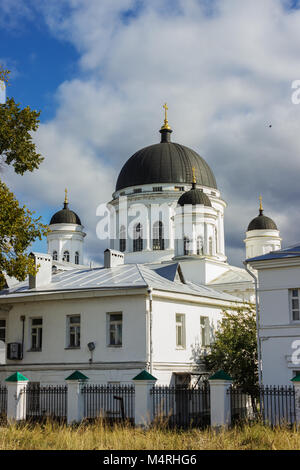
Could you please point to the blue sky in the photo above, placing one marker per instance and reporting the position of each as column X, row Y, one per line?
column 100, row 72
column 38, row 62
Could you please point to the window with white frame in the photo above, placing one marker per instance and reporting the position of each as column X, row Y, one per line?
column 158, row 242
column 180, row 330
column 186, row 245
column 2, row 330
column 36, row 334
column 54, row 255
column 114, row 328
column 76, row 257
column 294, row 304
column 204, row 331
column 66, row 256
column 73, row 331
column 199, row 245
column 138, row 238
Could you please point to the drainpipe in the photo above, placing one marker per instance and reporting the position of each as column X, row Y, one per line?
column 150, row 330
column 257, row 323
column 22, row 318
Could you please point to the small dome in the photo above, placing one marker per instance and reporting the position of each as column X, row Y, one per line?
column 262, row 222
column 194, row 196
column 65, row 215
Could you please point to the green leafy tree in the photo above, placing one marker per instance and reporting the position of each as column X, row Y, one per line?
column 18, row 227
column 235, row 349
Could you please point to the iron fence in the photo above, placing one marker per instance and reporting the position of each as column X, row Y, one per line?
column 3, row 403
column 113, row 403
column 242, row 406
column 181, row 406
column 278, row 405
column 48, row 401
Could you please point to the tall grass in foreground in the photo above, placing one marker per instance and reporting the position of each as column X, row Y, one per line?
column 96, row 436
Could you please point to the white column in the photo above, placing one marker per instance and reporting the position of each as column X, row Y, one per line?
column 75, row 406
column 143, row 414
column 16, row 399
column 220, row 414
column 296, row 383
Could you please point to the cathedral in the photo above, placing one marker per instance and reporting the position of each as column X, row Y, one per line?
column 156, row 302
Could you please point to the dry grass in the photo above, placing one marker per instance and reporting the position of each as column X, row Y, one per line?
column 52, row 436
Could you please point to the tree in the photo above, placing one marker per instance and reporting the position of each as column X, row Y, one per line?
column 18, row 227
column 235, row 349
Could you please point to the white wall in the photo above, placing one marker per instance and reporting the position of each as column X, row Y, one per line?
column 93, row 328
column 164, row 331
column 277, row 330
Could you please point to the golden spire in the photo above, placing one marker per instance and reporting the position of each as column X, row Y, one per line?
column 260, row 203
column 166, row 124
column 66, row 196
column 194, row 175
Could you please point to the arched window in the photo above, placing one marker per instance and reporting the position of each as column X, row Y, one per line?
column 66, row 256
column 122, row 238
column 76, row 257
column 158, row 242
column 54, row 255
column 186, row 243
column 210, row 246
column 138, row 238
column 199, row 245
column 216, row 240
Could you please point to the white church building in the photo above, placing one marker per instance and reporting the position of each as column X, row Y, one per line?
column 156, row 302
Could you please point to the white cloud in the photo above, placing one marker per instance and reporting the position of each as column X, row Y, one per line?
column 225, row 68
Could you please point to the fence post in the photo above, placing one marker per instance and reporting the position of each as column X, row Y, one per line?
column 143, row 405
column 220, row 413
column 296, row 383
column 75, row 409
column 16, row 400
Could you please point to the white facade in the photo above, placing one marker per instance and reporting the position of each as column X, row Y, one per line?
column 261, row 242
column 149, row 206
column 166, row 336
column 66, row 240
column 279, row 323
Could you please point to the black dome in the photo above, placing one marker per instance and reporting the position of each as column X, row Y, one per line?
column 65, row 216
column 166, row 162
column 262, row 222
column 194, row 196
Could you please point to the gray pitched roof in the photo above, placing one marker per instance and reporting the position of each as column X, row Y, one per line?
column 126, row 276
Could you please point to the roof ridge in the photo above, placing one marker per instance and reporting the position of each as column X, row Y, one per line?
column 138, row 265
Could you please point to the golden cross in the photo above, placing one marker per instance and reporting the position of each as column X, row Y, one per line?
column 165, row 106
column 260, row 203
column 166, row 124
column 194, row 174
column 66, row 196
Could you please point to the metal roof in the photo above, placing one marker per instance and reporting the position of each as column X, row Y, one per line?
column 166, row 162
column 290, row 252
column 127, row 276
